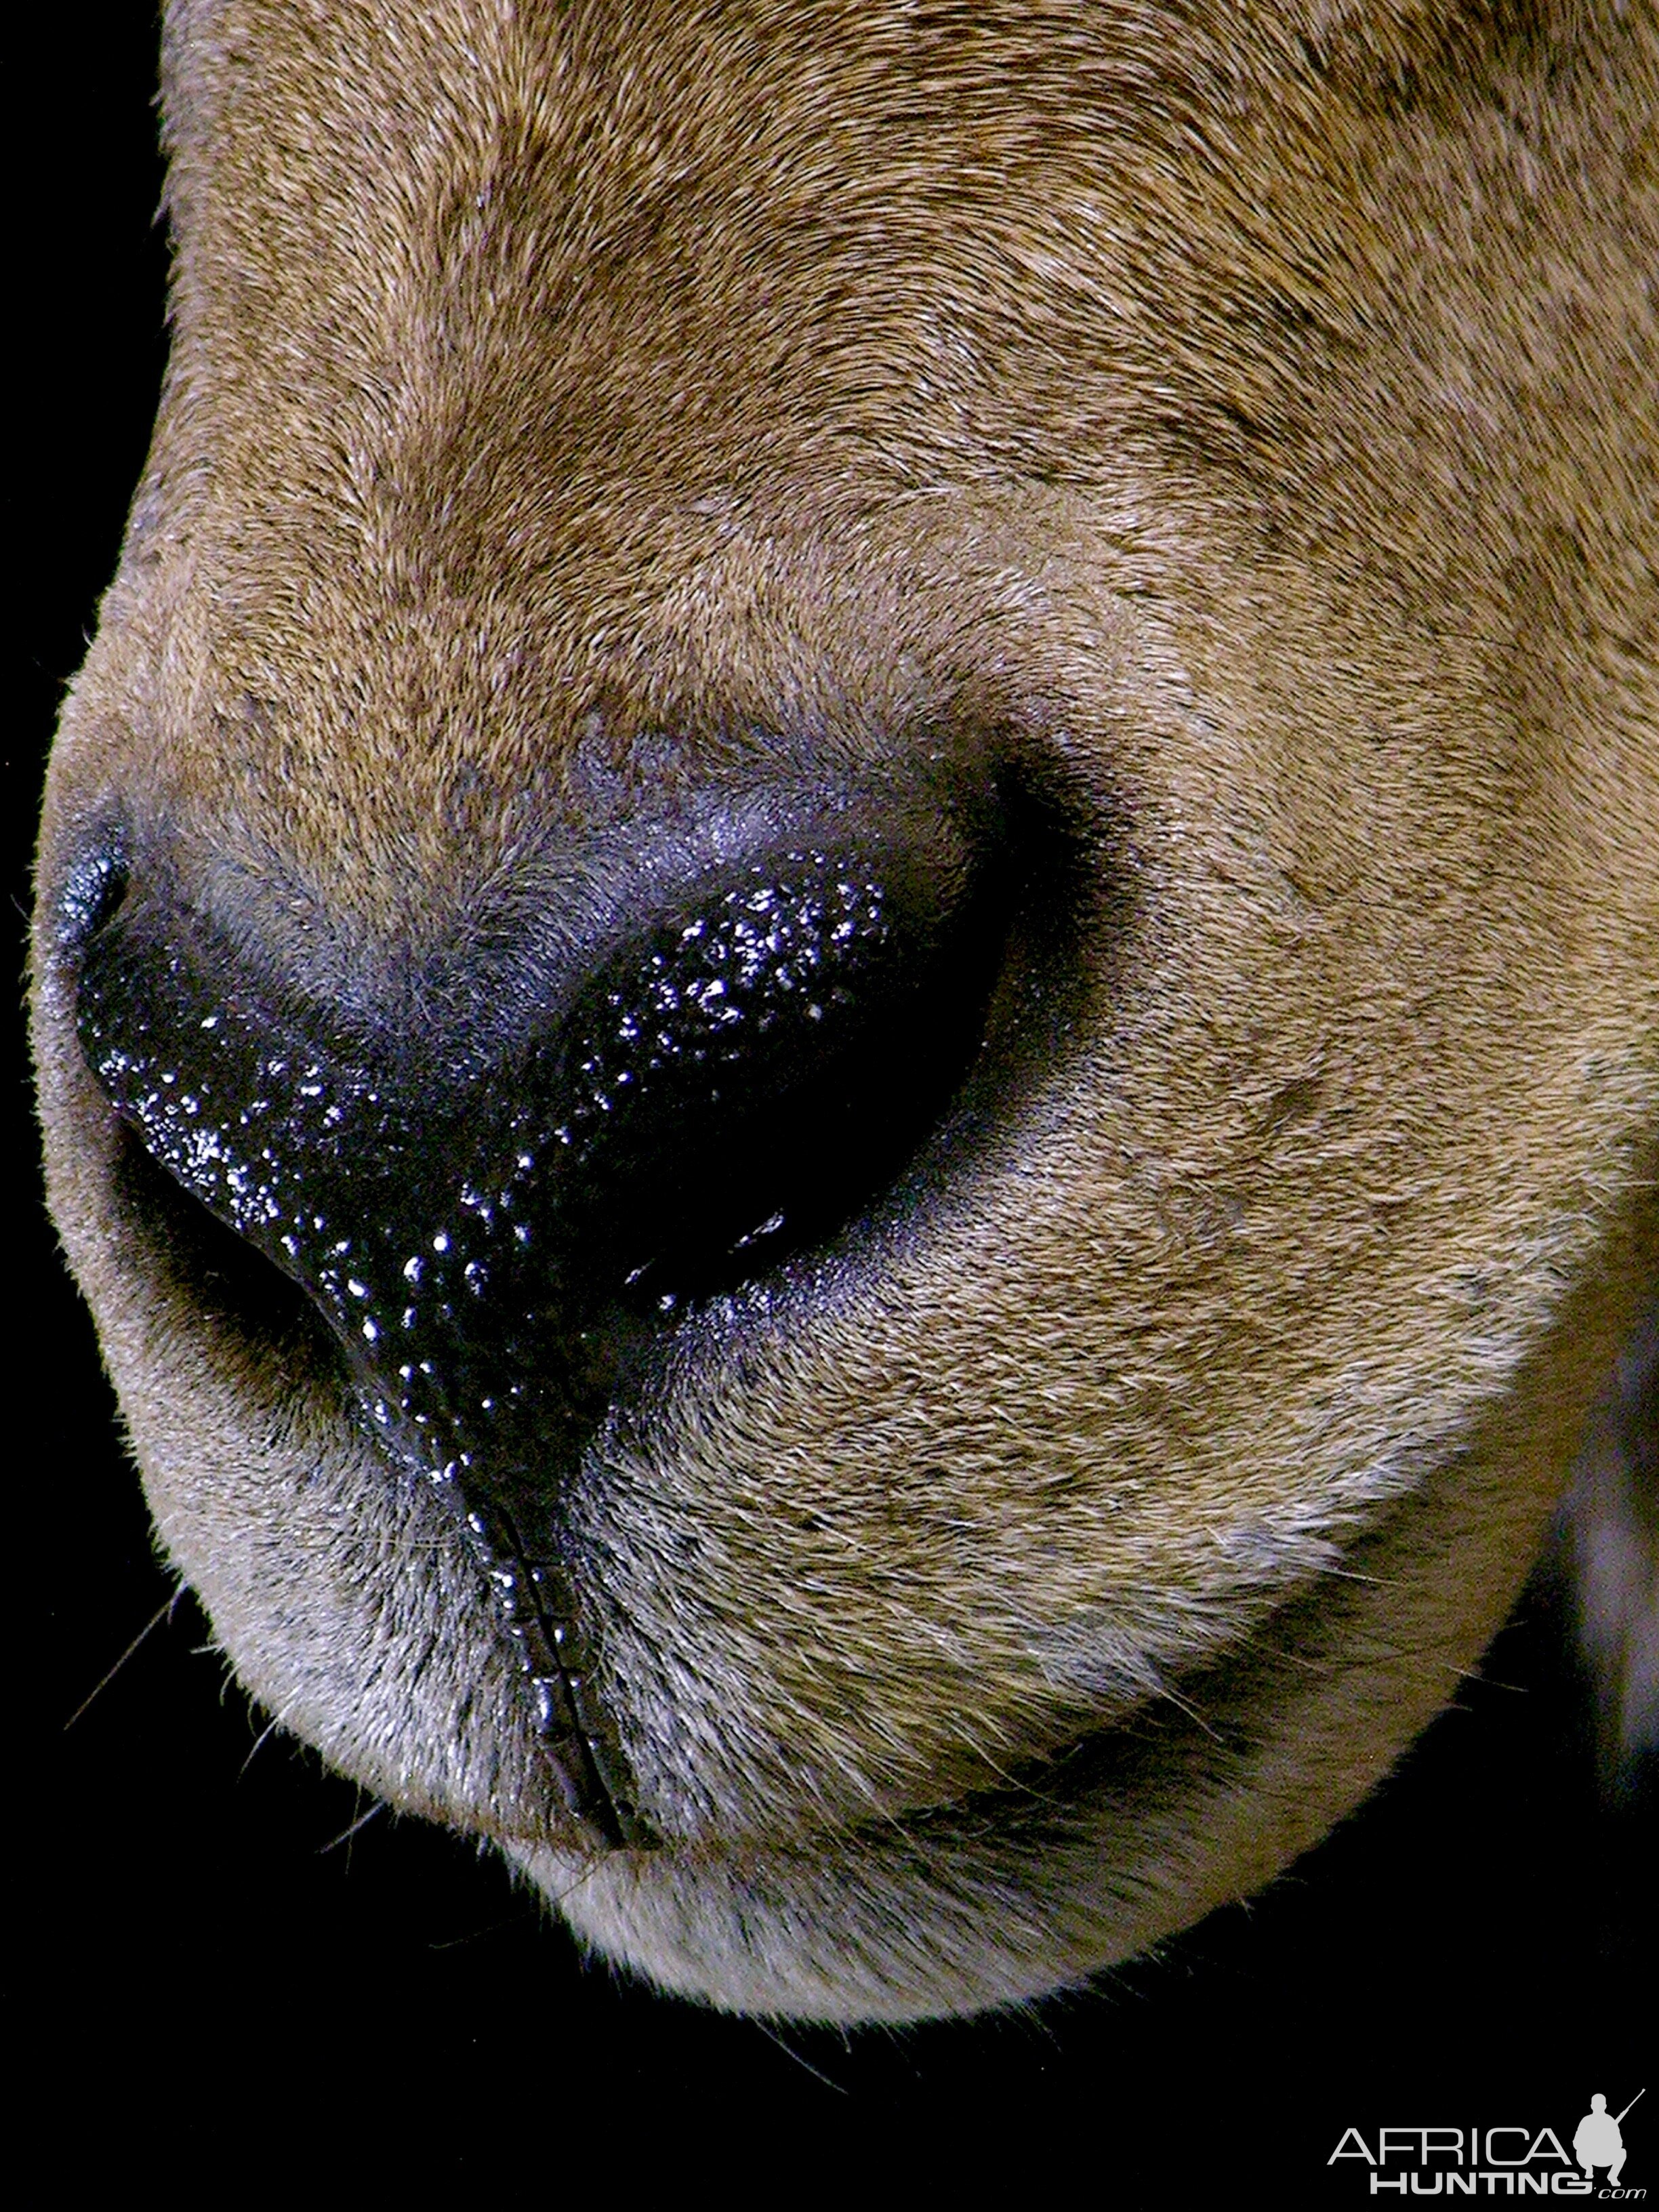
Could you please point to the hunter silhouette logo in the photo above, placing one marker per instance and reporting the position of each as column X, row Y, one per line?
column 1493, row 2162
column 1597, row 2141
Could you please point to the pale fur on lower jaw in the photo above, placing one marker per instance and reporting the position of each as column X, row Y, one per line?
column 1608, row 1541
column 1250, row 1765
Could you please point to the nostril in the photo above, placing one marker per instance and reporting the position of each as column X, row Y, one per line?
column 737, row 1086
column 496, row 1234
column 751, row 1081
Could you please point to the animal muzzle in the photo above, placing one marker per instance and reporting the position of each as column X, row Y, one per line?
column 502, row 1217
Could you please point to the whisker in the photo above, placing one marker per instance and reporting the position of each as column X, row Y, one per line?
column 260, row 1742
column 97, row 1688
column 477, row 1934
column 789, row 2052
column 346, row 1834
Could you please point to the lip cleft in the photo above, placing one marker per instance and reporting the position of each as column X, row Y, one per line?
column 438, row 1279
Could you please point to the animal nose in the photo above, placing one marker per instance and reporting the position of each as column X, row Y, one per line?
column 502, row 1221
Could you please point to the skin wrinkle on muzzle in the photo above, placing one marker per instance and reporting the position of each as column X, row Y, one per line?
column 1088, row 573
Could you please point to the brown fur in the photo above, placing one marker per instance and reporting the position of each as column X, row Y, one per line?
column 1258, row 412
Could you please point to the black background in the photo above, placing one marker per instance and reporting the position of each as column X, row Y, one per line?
column 222, row 1984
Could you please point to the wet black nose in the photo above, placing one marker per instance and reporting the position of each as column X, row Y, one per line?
column 501, row 1220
